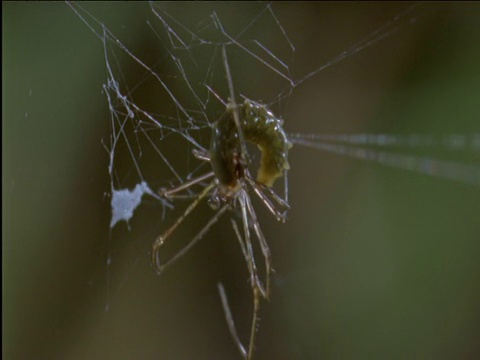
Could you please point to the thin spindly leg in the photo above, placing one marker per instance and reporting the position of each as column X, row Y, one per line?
column 266, row 201
column 285, row 187
column 201, row 154
column 278, row 199
column 168, row 192
column 248, row 253
column 242, row 245
column 260, row 190
column 257, row 287
column 230, row 322
column 161, row 239
column 234, row 107
column 197, row 238
column 256, row 291
column 252, row 270
column 253, row 330
column 263, row 245
column 242, row 196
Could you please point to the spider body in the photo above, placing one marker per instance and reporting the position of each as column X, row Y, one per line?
column 230, row 187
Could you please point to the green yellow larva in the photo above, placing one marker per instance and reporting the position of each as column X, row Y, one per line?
column 260, row 127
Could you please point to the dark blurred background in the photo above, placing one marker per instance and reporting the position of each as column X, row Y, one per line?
column 374, row 262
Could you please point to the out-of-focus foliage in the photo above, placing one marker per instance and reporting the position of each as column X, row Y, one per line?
column 374, row 262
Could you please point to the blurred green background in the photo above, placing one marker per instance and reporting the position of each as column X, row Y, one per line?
column 374, row 262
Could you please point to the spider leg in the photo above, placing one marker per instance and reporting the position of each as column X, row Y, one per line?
column 263, row 245
column 278, row 199
column 259, row 190
column 168, row 192
column 183, row 197
column 230, row 322
column 266, row 194
column 243, row 196
column 257, row 287
column 192, row 242
column 201, row 154
column 248, row 254
column 257, row 292
column 285, row 186
column 161, row 239
column 253, row 331
column 232, row 105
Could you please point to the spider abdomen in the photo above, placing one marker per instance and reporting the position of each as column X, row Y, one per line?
column 260, row 127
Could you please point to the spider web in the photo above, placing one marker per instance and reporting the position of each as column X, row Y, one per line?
column 186, row 74
column 164, row 99
column 195, row 93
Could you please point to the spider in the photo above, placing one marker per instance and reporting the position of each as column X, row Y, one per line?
column 230, row 183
